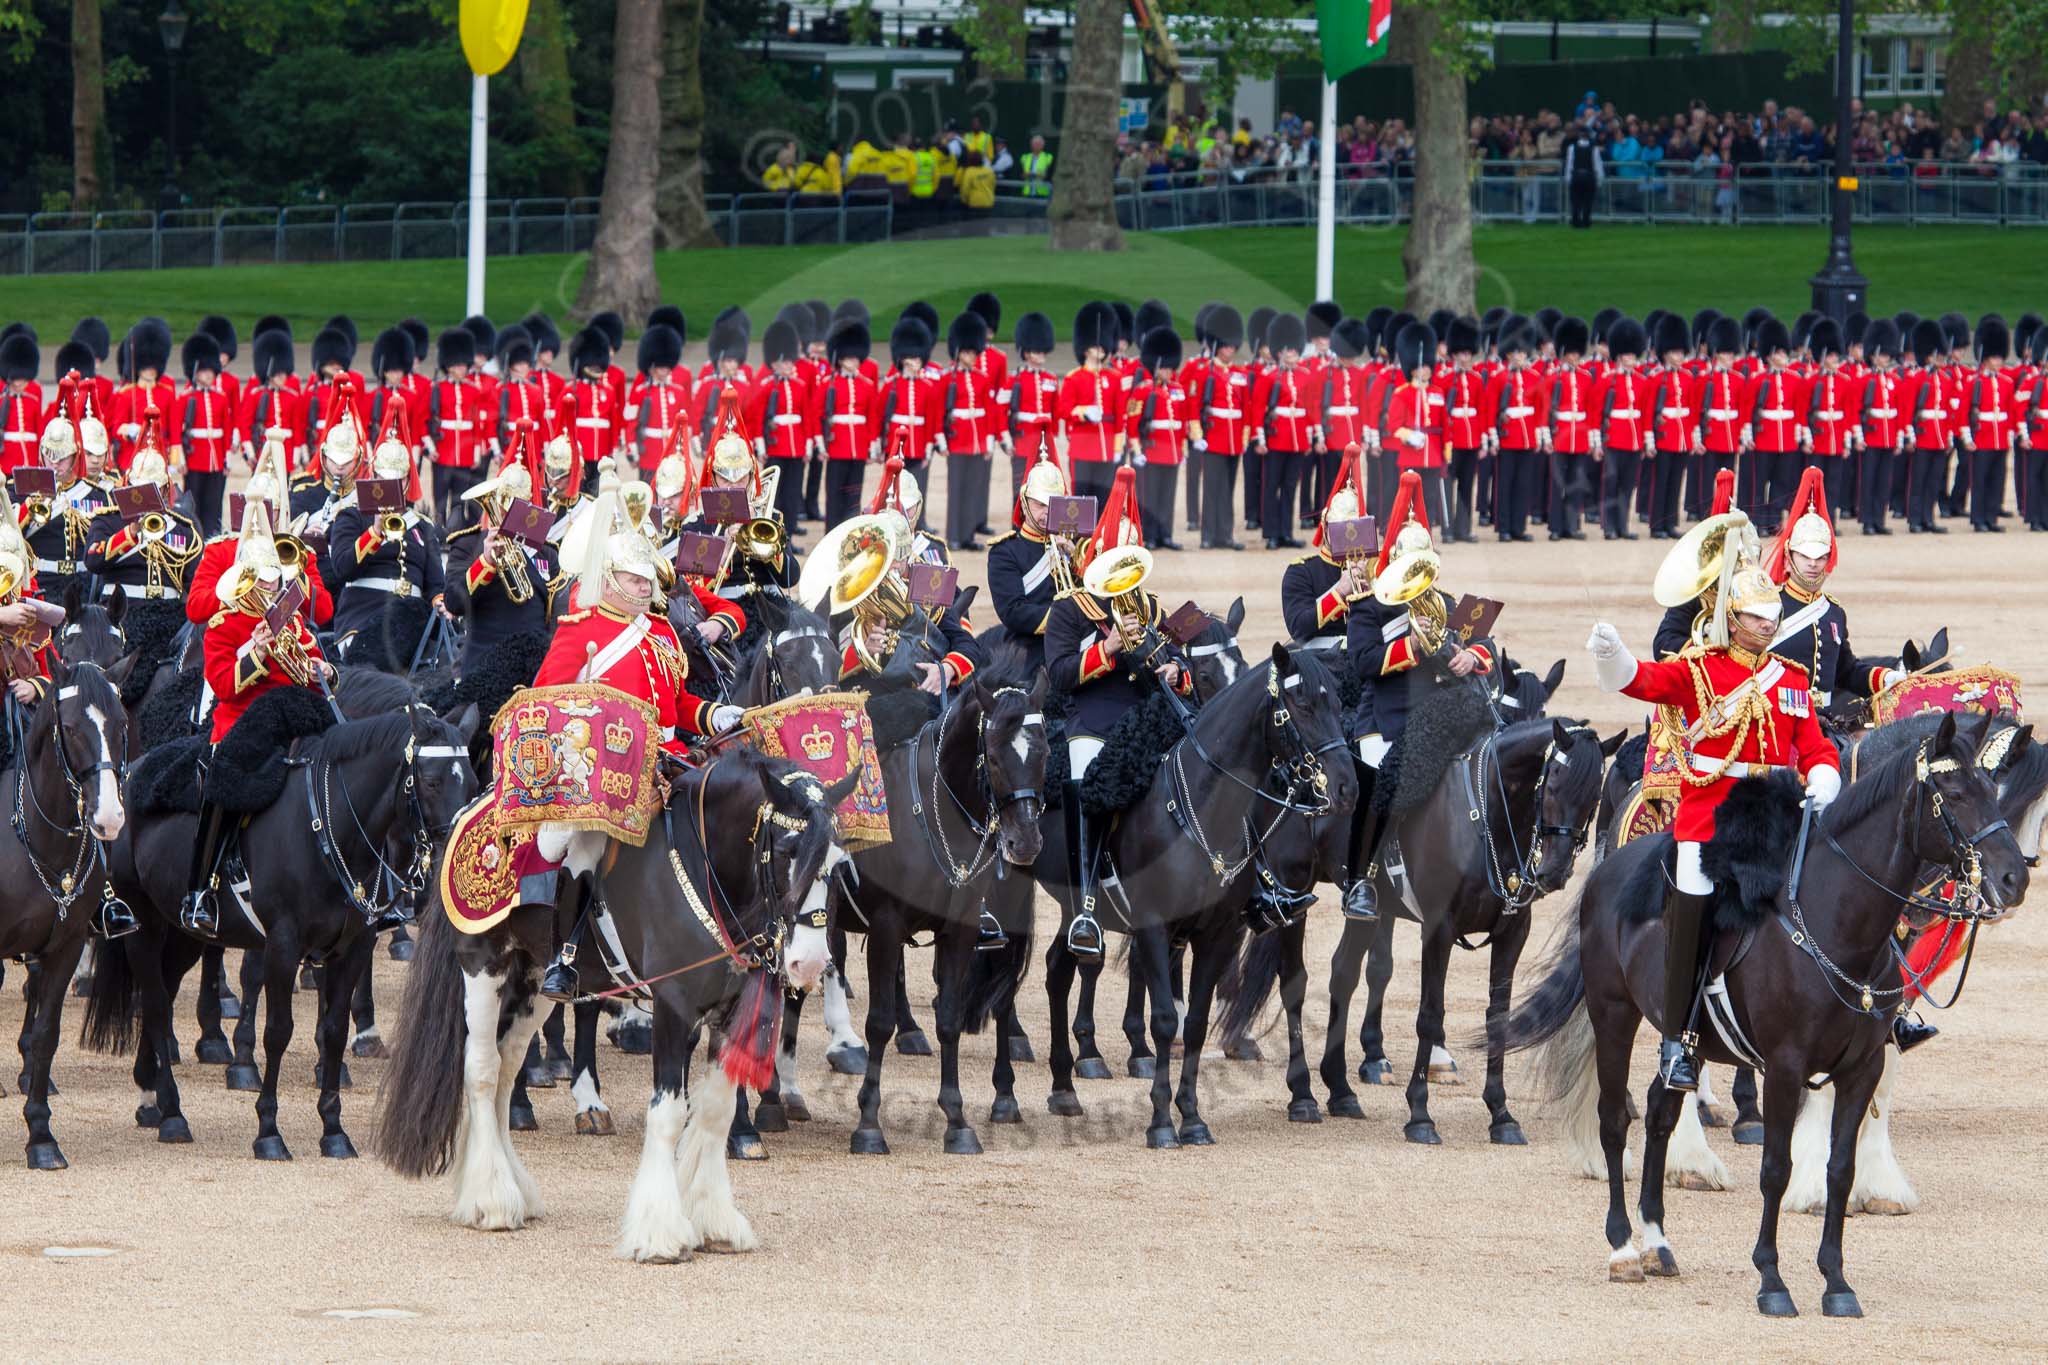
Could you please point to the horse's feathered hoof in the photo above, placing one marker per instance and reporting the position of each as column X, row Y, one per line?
column 174, row 1129
column 215, row 1052
column 1776, row 1303
column 242, row 1076
column 1005, row 1110
column 1243, row 1050
column 1020, row 1049
column 913, row 1044
column 745, row 1147
column 1712, row 1117
column 594, row 1123
column 1138, row 1069
column 868, row 1142
column 1693, row 1180
column 369, row 1045
column 1064, row 1103
column 400, row 949
column 962, row 1142
column 1344, row 1106
column 148, row 1116
column 1304, row 1110
column 1093, row 1069
column 1748, row 1133
column 337, row 1147
column 519, row 1119
column 560, row 1066
column 1625, row 1267
column 44, row 1156
column 1196, row 1134
column 1422, row 1131
column 1161, row 1137
column 1842, row 1305
column 347, row 1083
column 272, row 1148
column 1375, row 1071
column 1444, row 1073
column 771, row 1118
column 848, row 1061
column 81, row 988
column 1660, row 1262
column 1507, row 1133
column 1885, row 1208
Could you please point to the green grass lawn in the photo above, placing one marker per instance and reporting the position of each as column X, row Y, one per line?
column 1928, row 270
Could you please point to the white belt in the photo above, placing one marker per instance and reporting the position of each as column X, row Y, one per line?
column 1521, row 411
column 901, row 420
column 967, row 412
column 1706, row 766
column 1630, row 413
column 658, row 433
column 1828, row 414
column 205, row 433
column 848, row 419
column 735, row 593
column 596, row 422
column 1884, row 412
column 1033, row 417
column 1571, row 416
column 1775, row 414
column 1166, row 424
column 133, row 590
column 1341, row 412
column 31, row 436
column 1473, row 412
column 56, row 565
column 1232, row 413
column 455, row 424
column 1723, row 414
column 401, row 586
column 1676, row 414
column 1290, row 412
column 787, row 419
column 1930, row 414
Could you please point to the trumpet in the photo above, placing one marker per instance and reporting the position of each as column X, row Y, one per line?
column 763, row 538
column 38, row 510
column 1063, row 549
column 391, row 525
column 291, row 554
column 155, row 525
column 290, row 656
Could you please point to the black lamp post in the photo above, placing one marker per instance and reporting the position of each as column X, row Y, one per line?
column 171, row 26
column 1840, row 289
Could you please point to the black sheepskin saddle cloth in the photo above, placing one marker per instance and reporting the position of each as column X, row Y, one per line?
column 896, row 708
column 1122, row 773
column 1444, row 725
column 246, row 773
column 152, row 629
column 167, row 715
column 1748, row 859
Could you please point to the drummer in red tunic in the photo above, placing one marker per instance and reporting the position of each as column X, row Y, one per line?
column 1746, row 713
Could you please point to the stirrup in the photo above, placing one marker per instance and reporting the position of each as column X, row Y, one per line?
column 1676, row 1063
column 989, row 935
column 393, row 916
column 1084, row 936
column 116, row 920
column 1361, row 901
column 198, row 915
column 1910, row 1033
column 558, row 982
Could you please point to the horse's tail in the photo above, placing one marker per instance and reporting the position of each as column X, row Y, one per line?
column 421, row 1098
column 1247, row 982
column 110, row 1010
column 1555, row 1022
column 998, row 978
column 1559, row 996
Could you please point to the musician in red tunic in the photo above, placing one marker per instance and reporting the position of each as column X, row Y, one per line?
column 1746, row 713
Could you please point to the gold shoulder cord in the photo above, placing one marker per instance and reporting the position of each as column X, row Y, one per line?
column 1752, row 710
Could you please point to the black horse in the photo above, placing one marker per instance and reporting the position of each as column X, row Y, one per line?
column 1176, row 863
column 63, row 798
column 965, row 795
column 1503, row 827
column 711, row 925
column 312, row 858
column 1808, row 927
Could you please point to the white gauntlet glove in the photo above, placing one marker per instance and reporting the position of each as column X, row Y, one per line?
column 724, row 718
column 1823, row 785
column 1613, row 666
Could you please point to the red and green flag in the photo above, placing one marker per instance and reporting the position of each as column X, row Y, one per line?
column 1352, row 33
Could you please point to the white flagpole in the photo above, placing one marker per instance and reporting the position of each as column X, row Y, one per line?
column 1326, row 195
column 479, row 149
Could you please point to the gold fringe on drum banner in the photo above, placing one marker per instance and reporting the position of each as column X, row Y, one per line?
column 827, row 734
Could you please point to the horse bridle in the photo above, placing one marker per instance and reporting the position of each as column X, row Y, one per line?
column 69, row 885
column 1965, row 868
column 1516, row 887
column 762, row 949
column 995, row 803
column 425, row 833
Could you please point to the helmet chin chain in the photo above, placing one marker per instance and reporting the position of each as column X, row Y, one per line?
column 635, row 602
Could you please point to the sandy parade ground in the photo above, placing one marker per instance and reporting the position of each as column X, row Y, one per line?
column 1068, row 1237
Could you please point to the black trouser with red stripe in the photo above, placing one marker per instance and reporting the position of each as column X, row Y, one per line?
column 1515, row 490
column 1666, row 469
column 1987, row 486
column 1571, row 482
column 843, row 479
column 1619, row 470
column 1877, row 487
column 1464, row 469
column 1280, row 469
column 1924, row 479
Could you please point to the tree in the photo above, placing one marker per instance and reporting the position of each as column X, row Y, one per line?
column 1438, row 254
column 543, row 63
column 621, row 272
column 679, row 198
column 1083, row 208
column 1731, row 25
column 88, row 104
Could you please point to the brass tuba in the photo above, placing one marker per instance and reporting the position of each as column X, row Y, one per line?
column 1118, row 577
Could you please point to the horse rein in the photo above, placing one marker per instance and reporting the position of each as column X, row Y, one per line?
column 320, row 815
column 1516, row 888
column 985, row 829
column 69, row 885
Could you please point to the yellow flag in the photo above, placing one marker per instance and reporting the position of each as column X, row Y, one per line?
column 490, row 33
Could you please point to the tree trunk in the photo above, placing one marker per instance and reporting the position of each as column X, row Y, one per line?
column 1083, row 208
column 544, row 81
column 679, row 199
column 621, row 273
column 1732, row 22
column 1438, row 256
column 88, row 104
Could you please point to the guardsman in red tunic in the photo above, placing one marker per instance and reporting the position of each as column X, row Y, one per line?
column 1745, row 713
column 1884, row 423
column 460, row 421
column 1342, row 402
column 1414, row 424
column 2033, row 437
column 1623, row 426
column 1674, row 425
column 1283, row 422
column 334, row 383
column 547, row 345
column 1990, row 422
column 1466, row 421
column 908, row 400
column 1090, row 408
column 1034, row 398
column 206, row 430
column 1776, row 413
column 1723, row 417
column 659, row 404
column 725, row 372
column 971, row 423
column 21, row 401
column 844, row 412
column 1515, row 400
column 1222, row 405
column 1831, row 412
column 1569, row 436
column 521, row 396
column 202, row 595
column 1932, row 430
column 992, row 367
column 591, row 406
column 149, row 354
column 269, row 407
column 779, row 412
column 1163, row 426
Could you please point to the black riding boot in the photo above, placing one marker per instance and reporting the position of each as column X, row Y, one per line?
column 201, row 916
column 1910, row 1033
column 1360, row 901
column 1084, row 935
column 558, row 982
column 1685, row 916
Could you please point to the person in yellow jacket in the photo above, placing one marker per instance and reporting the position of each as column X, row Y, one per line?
column 976, row 183
column 865, row 159
column 924, row 172
column 898, row 163
column 1037, row 168
column 980, row 141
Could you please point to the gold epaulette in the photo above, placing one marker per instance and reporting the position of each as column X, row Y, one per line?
column 1089, row 607
column 573, row 617
column 1007, row 535
column 454, row 536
